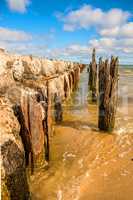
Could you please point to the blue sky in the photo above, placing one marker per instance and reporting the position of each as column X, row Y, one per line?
column 68, row 29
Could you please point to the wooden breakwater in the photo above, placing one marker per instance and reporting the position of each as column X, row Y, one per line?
column 29, row 88
column 103, row 82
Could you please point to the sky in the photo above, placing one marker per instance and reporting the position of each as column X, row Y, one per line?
column 68, row 29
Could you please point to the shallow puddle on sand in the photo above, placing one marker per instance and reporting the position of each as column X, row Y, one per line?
column 86, row 164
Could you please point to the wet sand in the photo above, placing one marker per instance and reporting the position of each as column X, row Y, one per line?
column 86, row 164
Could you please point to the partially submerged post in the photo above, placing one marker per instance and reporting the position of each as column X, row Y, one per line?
column 108, row 88
column 93, row 76
column 58, row 108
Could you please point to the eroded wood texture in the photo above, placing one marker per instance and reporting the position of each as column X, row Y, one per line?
column 93, row 76
column 108, row 89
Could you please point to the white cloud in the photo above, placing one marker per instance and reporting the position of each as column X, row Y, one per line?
column 115, row 46
column 13, row 35
column 115, row 32
column 86, row 17
column 69, row 27
column 76, row 49
column 25, row 48
column 105, row 47
column 109, row 32
column 71, row 52
column 17, row 41
column 18, row 5
column 14, row 40
column 125, row 30
column 103, row 42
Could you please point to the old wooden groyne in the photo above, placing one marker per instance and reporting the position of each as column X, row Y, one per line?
column 32, row 91
column 103, row 82
column 29, row 88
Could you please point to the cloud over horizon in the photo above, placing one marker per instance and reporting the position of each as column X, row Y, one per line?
column 114, row 31
column 12, row 35
column 126, row 30
column 17, row 41
column 112, row 34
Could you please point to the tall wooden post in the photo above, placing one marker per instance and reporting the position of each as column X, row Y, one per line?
column 108, row 88
column 93, row 76
column 48, row 122
column 58, row 110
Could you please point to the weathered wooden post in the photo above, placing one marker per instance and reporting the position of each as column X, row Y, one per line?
column 48, row 122
column 108, row 88
column 58, row 108
column 93, row 76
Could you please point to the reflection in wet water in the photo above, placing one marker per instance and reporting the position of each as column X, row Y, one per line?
column 87, row 164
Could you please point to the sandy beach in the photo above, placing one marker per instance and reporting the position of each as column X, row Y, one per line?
column 85, row 163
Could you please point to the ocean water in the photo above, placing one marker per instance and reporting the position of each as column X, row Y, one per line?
column 86, row 164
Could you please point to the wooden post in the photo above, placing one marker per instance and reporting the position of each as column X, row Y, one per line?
column 58, row 108
column 90, row 75
column 93, row 76
column 108, row 88
column 48, row 122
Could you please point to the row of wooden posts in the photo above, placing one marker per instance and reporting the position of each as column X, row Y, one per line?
column 35, row 115
column 103, row 84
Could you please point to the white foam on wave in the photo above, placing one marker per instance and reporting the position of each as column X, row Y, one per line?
column 121, row 131
column 80, row 162
column 59, row 194
column 68, row 155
